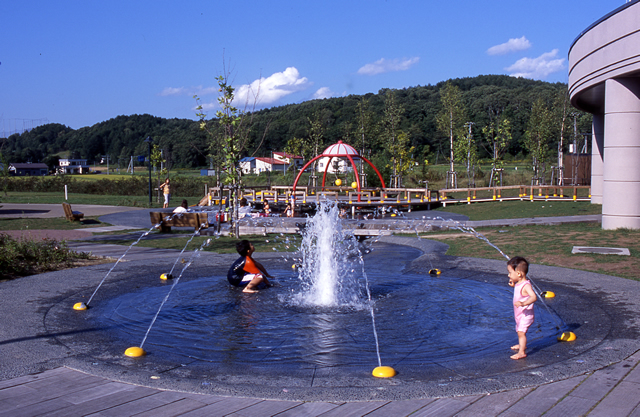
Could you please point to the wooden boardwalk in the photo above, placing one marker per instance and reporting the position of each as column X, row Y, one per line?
column 612, row 391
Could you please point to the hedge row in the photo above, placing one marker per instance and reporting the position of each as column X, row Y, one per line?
column 180, row 186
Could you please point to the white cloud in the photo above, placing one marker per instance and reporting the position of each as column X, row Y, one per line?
column 537, row 68
column 512, row 45
column 183, row 91
column 383, row 65
column 206, row 107
column 324, row 92
column 261, row 91
column 271, row 89
column 173, row 91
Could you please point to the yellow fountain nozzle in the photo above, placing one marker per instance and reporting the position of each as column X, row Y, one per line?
column 567, row 337
column 80, row 306
column 135, row 352
column 384, row 372
column 548, row 294
column 166, row 276
column 435, row 271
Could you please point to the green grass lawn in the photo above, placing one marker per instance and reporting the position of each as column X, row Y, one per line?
column 73, row 198
column 522, row 209
column 548, row 245
column 56, row 223
column 552, row 245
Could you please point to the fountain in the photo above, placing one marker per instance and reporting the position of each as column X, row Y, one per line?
column 315, row 328
column 81, row 306
column 327, row 270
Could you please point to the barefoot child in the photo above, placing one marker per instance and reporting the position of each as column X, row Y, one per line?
column 166, row 191
column 523, row 299
column 247, row 272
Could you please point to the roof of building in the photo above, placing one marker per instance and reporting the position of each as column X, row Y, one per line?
column 271, row 161
column 29, row 166
column 266, row 160
column 287, row 155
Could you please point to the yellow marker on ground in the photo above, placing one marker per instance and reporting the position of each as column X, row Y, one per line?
column 135, row 352
column 567, row 337
column 384, row 372
column 80, row 306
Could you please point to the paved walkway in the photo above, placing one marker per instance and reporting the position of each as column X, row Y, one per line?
column 610, row 391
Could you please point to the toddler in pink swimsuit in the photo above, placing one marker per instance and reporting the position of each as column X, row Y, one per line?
column 523, row 299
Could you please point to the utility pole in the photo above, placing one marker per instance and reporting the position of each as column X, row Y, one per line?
column 148, row 140
column 452, row 178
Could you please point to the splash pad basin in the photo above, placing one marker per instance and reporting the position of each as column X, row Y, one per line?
column 421, row 322
column 445, row 335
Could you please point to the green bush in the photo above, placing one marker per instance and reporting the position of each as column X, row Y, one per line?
column 26, row 257
column 132, row 186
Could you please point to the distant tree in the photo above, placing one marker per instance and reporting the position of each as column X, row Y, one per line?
column 52, row 161
column 157, row 161
column 402, row 156
column 498, row 136
column 232, row 138
column 4, row 170
column 466, row 151
column 298, row 147
column 486, row 98
column 390, row 131
column 316, row 133
column 367, row 129
column 562, row 111
column 451, row 122
column 538, row 136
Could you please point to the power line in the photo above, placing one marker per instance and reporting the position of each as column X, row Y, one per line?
column 19, row 126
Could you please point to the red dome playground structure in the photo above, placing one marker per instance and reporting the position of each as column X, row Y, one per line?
column 340, row 150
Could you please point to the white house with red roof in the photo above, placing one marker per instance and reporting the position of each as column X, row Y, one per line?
column 257, row 165
column 288, row 158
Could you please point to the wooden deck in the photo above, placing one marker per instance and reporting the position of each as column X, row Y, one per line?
column 612, row 391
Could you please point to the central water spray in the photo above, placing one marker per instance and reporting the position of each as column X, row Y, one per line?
column 331, row 262
column 329, row 256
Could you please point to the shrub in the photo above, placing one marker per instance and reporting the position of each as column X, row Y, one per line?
column 27, row 257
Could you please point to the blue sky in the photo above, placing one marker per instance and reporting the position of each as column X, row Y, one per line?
column 81, row 63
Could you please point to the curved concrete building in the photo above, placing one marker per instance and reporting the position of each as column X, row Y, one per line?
column 604, row 79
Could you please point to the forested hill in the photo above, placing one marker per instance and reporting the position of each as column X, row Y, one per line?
column 185, row 145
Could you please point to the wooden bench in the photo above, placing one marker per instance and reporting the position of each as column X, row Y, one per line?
column 70, row 214
column 195, row 220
